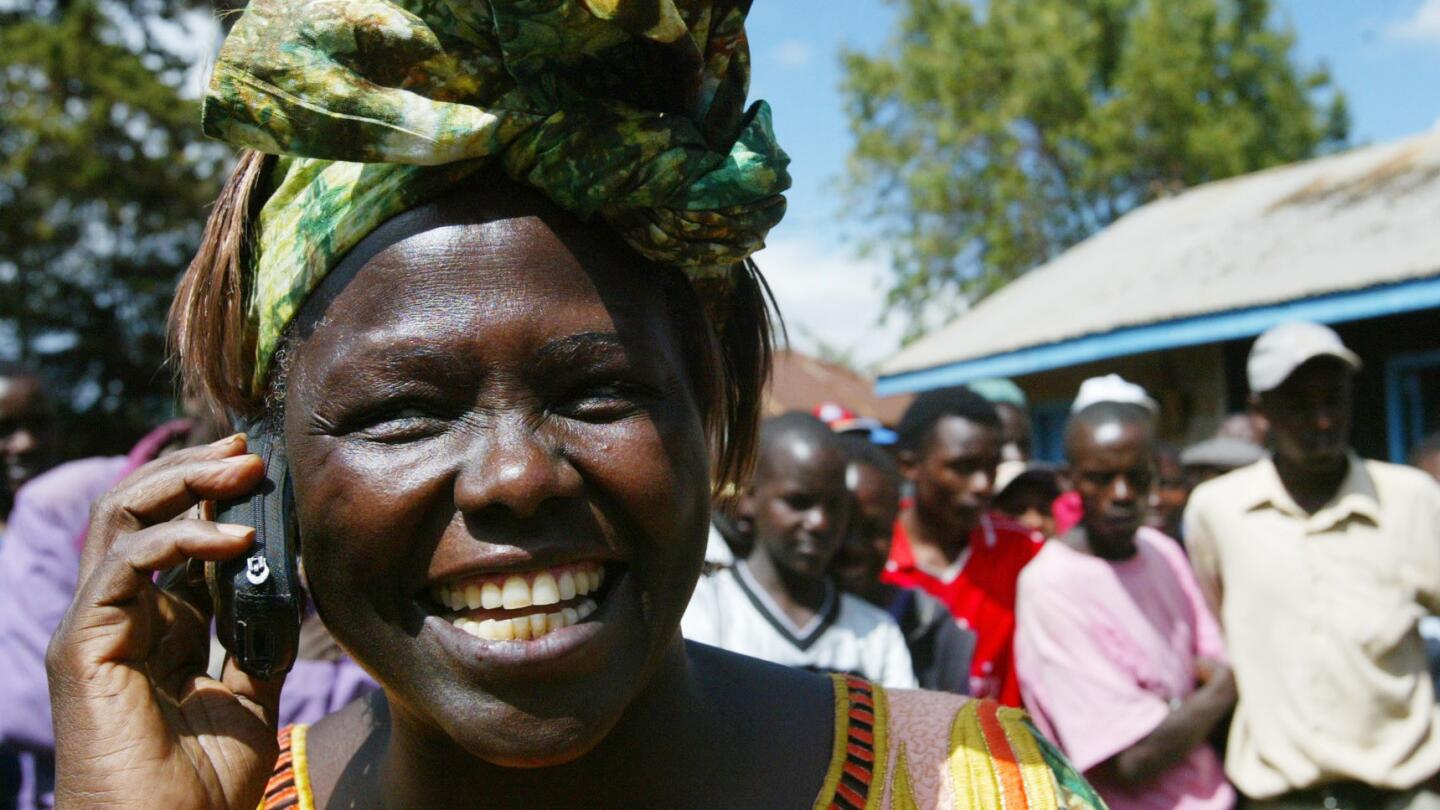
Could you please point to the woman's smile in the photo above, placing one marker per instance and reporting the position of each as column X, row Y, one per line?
column 520, row 605
column 535, row 631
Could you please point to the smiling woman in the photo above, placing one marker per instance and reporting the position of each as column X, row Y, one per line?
column 510, row 358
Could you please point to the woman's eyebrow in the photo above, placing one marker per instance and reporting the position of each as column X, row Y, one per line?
column 581, row 347
column 405, row 363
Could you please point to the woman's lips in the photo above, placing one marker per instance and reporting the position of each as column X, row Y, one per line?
column 580, row 649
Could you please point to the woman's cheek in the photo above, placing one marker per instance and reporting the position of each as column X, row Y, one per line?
column 362, row 505
column 657, row 467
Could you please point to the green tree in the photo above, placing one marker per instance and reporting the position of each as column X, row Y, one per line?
column 990, row 136
column 104, row 183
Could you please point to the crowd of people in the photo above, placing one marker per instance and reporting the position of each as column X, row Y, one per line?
column 482, row 280
column 1194, row 627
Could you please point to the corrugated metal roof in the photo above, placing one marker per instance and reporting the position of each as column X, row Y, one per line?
column 1366, row 217
column 801, row 382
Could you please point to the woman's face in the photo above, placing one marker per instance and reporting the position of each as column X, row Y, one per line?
column 486, row 417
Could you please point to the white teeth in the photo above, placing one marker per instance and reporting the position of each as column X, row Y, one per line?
column 526, row 628
column 490, row 597
column 516, row 593
column 520, row 628
column 567, row 585
column 544, row 591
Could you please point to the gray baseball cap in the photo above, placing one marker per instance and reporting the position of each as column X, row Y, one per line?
column 1284, row 348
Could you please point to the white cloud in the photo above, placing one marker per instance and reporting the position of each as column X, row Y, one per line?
column 794, row 53
column 826, row 293
column 1422, row 26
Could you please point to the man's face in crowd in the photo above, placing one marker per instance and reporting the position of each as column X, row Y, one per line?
column 27, row 430
column 798, row 505
column 953, row 471
column 1015, row 432
column 1167, row 502
column 1309, row 415
column 1029, row 504
column 867, row 545
column 1113, row 469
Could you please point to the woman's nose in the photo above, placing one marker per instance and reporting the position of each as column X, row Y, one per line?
column 513, row 467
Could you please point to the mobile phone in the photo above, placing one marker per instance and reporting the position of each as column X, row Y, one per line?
column 257, row 597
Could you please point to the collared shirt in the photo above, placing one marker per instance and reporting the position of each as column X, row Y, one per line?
column 979, row 589
column 1104, row 649
column 1320, row 614
column 732, row 611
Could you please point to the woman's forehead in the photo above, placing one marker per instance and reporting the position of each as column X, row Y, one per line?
column 515, row 280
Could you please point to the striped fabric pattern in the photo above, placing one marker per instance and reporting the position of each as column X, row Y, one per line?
column 991, row 758
column 996, row 758
column 860, row 714
column 289, row 785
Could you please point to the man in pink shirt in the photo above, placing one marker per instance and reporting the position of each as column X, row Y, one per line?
column 1119, row 659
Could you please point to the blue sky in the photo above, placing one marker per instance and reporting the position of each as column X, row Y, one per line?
column 1384, row 54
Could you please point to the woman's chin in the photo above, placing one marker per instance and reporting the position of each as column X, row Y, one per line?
column 540, row 702
column 540, row 744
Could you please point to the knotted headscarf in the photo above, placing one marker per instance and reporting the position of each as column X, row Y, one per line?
column 631, row 110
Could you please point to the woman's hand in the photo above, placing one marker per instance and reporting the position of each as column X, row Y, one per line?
column 138, row 723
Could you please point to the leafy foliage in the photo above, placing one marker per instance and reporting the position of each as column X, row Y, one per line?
column 104, row 183
column 988, row 142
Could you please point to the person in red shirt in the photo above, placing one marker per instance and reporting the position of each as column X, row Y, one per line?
column 947, row 543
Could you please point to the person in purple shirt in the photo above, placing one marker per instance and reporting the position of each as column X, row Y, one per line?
column 39, row 565
column 29, row 433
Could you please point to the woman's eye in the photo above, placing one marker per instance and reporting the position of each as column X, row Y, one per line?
column 605, row 403
column 400, row 425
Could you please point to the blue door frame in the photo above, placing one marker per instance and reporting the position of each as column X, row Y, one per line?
column 1047, row 425
column 1404, row 405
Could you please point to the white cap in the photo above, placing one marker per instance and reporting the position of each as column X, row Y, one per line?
column 1014, row 472
column 1112, row 388
column 1284, row 348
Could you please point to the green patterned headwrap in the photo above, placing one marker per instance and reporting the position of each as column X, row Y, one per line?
column 631, row 110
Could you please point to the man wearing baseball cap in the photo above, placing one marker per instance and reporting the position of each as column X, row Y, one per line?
column 1320, row 565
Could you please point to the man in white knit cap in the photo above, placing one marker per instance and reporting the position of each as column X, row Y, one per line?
column 1320, row 565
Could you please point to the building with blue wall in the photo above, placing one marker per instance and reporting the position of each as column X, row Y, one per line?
column 1172, row 294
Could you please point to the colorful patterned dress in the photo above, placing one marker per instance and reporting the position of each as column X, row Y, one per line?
column 901, row 750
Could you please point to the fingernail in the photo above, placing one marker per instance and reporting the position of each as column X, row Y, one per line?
column 227, row 440
column 234, row 529
column 245, row 458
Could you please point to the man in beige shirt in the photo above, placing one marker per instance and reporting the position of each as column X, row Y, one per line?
column 1320, row 565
